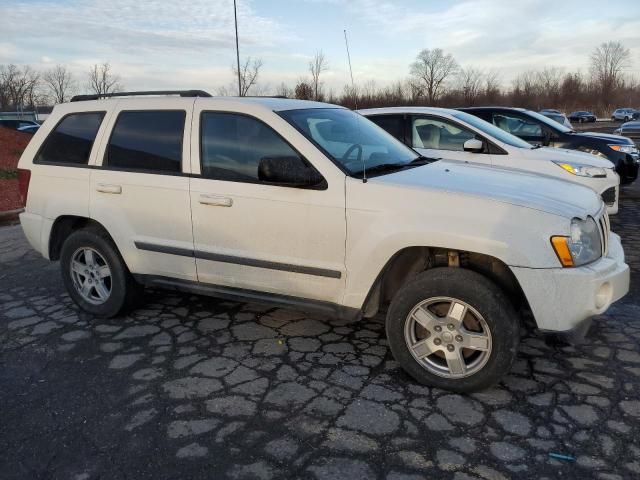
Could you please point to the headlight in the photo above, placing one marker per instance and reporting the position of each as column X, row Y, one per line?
column 624, row 148
column 583, row 170
column 582, row 247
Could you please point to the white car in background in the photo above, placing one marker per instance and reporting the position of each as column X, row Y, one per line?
column 455, row 135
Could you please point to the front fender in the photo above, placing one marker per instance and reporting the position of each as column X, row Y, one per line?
column 377, row 230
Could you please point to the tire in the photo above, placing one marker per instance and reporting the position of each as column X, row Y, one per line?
column 482, row 297
column 118, row 291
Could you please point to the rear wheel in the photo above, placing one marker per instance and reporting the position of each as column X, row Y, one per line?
column 95, row 275
column 453, row 329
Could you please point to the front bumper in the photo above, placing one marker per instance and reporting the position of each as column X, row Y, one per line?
column 561, row 299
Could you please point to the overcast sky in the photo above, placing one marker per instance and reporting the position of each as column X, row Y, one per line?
column 190, row 44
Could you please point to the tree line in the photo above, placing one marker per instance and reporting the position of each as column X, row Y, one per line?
column 435, row 79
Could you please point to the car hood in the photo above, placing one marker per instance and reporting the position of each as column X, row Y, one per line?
column 518, row 188
column 617, row 139
column 569, row 156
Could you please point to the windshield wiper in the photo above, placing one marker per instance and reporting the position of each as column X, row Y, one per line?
column 535, row 147
column 422, row 160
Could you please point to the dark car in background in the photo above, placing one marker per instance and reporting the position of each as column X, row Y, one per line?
column 17, row 124
column 582, row 116
column 29, row 129
column 540, row 130
column 630, row 130
column 625, row 114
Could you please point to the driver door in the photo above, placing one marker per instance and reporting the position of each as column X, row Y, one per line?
column 437, row 137
column 255, row 236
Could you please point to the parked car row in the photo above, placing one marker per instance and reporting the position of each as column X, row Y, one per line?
column 461, row 136
column 448, row 224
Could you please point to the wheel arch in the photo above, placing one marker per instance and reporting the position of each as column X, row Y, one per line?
column 408, row 262
column 65, row 225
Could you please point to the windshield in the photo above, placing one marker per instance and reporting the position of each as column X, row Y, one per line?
column 492, row 131
column 549, row 122
column 349, row 139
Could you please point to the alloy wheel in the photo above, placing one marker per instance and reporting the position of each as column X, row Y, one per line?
column 91, row 275
column 448, row 337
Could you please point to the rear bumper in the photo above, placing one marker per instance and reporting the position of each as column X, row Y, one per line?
column 37, row 229
column 562, row 299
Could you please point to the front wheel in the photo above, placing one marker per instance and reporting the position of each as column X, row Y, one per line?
column 453, row 329
column 95, row 274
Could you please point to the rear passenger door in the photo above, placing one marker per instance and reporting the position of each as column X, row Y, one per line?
column 140, row 190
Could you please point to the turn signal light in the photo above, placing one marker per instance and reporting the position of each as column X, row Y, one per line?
column 561, row 247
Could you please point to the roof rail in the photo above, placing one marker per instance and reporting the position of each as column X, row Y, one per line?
column 182, row 93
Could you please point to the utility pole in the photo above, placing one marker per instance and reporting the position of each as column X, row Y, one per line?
column 235, row 17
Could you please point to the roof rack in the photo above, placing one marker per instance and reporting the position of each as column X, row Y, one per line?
column 182, row 93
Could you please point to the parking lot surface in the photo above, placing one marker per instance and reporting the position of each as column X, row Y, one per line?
column 194, row 387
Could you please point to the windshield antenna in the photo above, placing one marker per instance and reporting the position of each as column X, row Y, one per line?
column 355, row 100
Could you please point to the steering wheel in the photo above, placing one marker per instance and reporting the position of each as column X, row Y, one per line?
column 350, row 151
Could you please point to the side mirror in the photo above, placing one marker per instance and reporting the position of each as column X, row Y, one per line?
column 288, row 171
column 473, row 145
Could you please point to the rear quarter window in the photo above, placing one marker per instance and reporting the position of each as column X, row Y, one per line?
column 71, row 141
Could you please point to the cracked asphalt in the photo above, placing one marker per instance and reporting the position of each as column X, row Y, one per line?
column 194, row 387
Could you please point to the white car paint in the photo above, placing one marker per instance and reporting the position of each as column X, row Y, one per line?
column 537, row 160
column 352, row 227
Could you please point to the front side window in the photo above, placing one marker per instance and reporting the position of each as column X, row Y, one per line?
column 71, row 140
column 148, row 141
column 350, row 140
column 439, row 134
column 232, row 145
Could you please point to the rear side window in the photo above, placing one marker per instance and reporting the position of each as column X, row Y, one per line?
column 147, row 141
column 232, row 146
column 71, row 140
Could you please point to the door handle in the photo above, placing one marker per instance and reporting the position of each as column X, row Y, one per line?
column 106, row 188
column 215, row 201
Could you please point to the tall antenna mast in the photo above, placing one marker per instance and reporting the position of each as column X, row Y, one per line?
column 235, row 17
column 353, row 86
column 355, row 99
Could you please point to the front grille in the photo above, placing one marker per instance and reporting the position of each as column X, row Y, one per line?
column 604, row 227
column 609, row 196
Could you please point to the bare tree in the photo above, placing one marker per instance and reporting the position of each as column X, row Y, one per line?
column 102, row 80
column 470, row 79
column 549, row 85
column 492, row 86
column 248, row 74
column 60, row 83
column 316, row 67
column 431, row 70
column 19, row 87
column 608, row 62
column 303, row 90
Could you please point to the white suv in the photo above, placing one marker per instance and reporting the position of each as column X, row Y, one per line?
column 455, row 135
column 312, row 206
